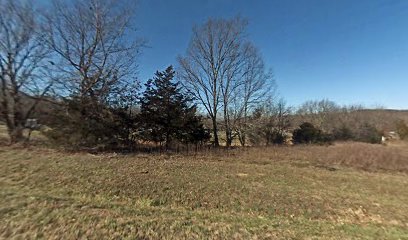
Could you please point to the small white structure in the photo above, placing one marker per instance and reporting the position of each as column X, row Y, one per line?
column 389, row 136
column 32, row 124
column 383, row 139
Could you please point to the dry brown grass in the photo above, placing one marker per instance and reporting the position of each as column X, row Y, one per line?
column 369, row 157
column 300, row 192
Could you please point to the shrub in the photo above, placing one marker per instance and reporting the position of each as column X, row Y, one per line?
column 402, row 129
column 256, row 135
column 343, row 133
column 84, row 123
column 307, row 133
column 275, row 137
column 369, row 134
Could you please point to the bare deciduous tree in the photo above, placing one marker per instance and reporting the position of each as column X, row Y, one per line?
column 91, row 42
column 256, row 86
column 23, row 81
column 212, row 64
column 95, row 54
column 279, row 119
column 269, row 123
column 322, row 114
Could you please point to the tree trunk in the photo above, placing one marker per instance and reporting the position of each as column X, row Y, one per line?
column 167, row 144
column 242, row 138
column 228, row 137
column 244, row 127
column 228, row 134
column 215, row 132
column 16, row 134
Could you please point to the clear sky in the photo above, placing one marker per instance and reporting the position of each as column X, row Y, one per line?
column 348, row 51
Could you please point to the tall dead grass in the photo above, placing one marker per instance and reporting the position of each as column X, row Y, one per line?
column 393, row 157
column 369, row 157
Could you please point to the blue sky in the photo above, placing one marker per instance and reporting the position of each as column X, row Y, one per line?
column 346, row 51
column 349, row 51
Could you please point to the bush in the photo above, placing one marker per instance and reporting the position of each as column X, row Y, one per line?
column 343, row 133
column 369, row 134
column 307, row 133
column 402, row 129
column 275, row 137
column 88, row 124
column 255, row 137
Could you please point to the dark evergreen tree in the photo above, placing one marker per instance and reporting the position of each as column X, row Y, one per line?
column 167, row 114
column 307, row 133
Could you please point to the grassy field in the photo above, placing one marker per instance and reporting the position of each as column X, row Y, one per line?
column 345, row 191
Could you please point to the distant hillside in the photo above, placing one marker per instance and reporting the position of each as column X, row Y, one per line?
column 382, row 119
column 42, row 109
column 385, row 119
column 391, row 113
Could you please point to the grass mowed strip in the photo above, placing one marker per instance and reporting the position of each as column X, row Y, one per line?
column 269, row 193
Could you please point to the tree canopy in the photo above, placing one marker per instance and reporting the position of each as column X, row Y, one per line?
column 167, row 114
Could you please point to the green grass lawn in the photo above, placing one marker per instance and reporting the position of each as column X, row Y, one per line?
column 276, row 193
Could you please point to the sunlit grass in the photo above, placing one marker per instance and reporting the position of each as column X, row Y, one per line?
column 271, row 192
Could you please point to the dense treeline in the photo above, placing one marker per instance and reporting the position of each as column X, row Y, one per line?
column 73, row 67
